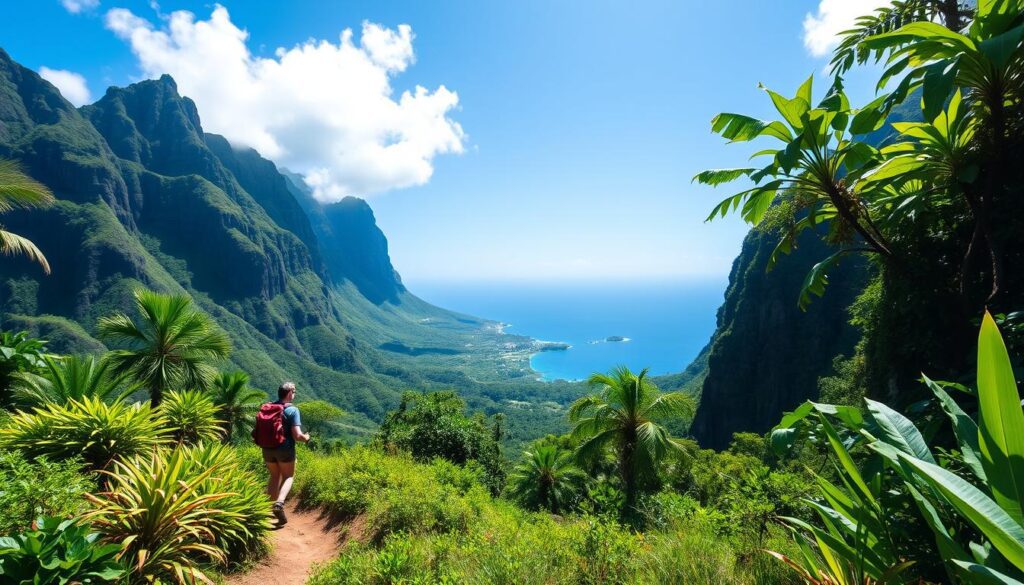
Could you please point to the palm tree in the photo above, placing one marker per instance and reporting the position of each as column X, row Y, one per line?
column 624, row 415
column 546, row 478
column 953, row 14
column 986, row 62
column 19, row 191
column 231, row 393
column 173, row 345
column 71, row 378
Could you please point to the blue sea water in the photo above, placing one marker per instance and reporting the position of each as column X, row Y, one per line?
column 667, row 323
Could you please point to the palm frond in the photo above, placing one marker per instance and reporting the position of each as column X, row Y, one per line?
column 852, row 50
column 582, row 405
column 11, row 244
column 671, row 405
column 19, row 191
column 121, row 329
column 595, row 444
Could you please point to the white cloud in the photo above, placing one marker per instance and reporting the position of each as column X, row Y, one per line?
column 76, row 6
column 323, row 109
column 71, row 85
column 821, row 30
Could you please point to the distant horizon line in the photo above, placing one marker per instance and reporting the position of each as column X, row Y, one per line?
column 411, row 283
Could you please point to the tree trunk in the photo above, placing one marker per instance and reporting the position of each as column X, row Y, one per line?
column 951, row 16
column 628, row 472
column 995, row 187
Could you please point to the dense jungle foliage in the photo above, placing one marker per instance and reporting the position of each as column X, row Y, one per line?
column 132, row 465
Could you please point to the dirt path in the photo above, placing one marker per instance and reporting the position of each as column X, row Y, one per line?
column 305, row 540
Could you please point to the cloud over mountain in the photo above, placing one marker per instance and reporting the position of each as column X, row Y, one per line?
column 71, row 85
column 324, row 109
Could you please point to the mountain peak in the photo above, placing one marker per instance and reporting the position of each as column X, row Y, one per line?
column 352, row 245
column 150, row 123
column 167, row 80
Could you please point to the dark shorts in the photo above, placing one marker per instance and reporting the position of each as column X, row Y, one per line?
column 282, row 454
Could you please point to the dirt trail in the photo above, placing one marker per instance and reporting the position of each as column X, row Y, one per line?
column 304, row 541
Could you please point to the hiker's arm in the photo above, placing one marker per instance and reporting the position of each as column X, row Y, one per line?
column 298, row 435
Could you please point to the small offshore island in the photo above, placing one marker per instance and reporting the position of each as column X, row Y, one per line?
column 611, row 339
column 551, row 346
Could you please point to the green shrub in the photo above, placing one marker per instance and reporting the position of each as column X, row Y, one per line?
column 395, row 493
column 170, row 513
column 418, row 503
column 250, row 459
column 31, row 489
column 434, row 523
column 343, row 484
column 56, row 552
column 433, row 425
column 462, row 478
column 19, row 354
column 242, row 527
column 318, row 416
column 192, row 417
column 97, row 432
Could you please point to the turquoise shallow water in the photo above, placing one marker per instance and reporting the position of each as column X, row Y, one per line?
column 667, row 323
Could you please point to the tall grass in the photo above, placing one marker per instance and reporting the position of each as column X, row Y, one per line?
column 428, row 523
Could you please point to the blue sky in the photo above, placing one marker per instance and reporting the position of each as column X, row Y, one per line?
column 561, row 145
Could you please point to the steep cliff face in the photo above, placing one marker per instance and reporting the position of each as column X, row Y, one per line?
column 767, row 355
column 353, row 247
column 261, row 180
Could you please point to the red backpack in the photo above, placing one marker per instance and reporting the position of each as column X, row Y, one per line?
column 269, row 430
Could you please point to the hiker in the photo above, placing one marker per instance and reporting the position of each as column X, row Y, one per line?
column 278, row 426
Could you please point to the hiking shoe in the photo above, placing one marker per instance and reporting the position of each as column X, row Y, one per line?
column 279, row 513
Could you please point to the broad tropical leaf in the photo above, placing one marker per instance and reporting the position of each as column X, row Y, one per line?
column 1001, row 421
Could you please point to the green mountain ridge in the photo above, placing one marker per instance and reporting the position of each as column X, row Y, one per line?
column 306, row 291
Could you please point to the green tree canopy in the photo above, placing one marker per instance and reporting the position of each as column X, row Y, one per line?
column 172, row 346
column 434, row 424
column 626, row 416
column 236, row 402
column 317, row 416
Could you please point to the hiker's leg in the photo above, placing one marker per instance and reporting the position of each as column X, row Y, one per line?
column 287, row 470
column 274, row 483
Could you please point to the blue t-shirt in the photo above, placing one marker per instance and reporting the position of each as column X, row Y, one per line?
column 291, row 420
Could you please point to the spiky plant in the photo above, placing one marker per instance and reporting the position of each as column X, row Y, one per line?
column 99, row 433
column 174, row 345
column 242, row 533
column 191, row 416
column 158, row 511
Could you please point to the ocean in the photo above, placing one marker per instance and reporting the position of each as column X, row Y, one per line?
column 664, row 325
